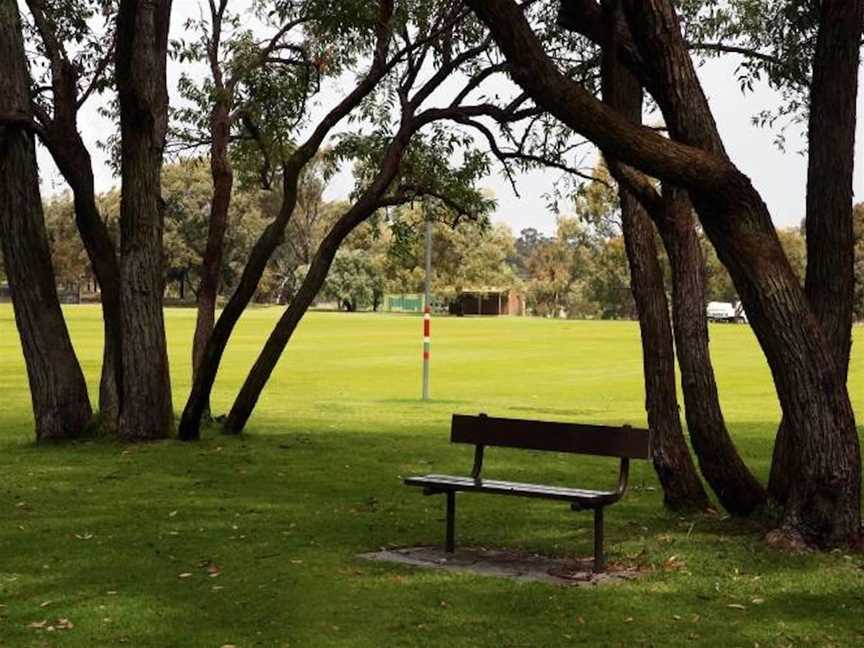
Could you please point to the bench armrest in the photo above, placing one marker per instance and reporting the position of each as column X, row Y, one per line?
column 623, row 476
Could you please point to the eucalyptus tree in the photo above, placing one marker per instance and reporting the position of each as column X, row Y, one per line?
column 736, row 487
column 403, row 165
column 408, row 156
column 824, row 503
column 622, row 92
column 366, row 29
column 250, row 81
column 140, row 75
column 60, row 402
column 809, row 52
column 75, row 40
column 545, row 142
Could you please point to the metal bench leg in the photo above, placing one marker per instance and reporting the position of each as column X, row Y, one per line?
column 450, row 542
column 599, row 558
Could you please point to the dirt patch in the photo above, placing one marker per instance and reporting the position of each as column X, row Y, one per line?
column 506, row 564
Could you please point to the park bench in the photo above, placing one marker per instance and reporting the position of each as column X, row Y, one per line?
column 624, row 443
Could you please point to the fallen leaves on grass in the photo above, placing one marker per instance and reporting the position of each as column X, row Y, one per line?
column 59, row 624
column 673, row 563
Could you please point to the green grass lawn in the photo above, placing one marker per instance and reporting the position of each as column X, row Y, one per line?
column 252, row 541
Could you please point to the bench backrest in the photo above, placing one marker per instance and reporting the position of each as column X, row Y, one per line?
column 624, row 442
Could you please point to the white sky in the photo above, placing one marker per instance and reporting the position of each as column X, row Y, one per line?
column 779, row 176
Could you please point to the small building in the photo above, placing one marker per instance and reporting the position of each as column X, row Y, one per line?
column 488, row 301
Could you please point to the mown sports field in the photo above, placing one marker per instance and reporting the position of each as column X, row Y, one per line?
column 252, row 541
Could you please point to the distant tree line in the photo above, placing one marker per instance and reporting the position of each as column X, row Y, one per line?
column 580, row 271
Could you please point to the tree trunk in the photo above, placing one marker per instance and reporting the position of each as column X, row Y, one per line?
column 273, row 235
column 60, row 135
column 61, row 405
column 682, row 488
column 103, row 257
column 672, row 461
column 361, row 210
column 830, row 282
column 142, row 39
column 73, row 160
column 211, row 265
column 260, row 373
column 824, row 507
column 738, row 491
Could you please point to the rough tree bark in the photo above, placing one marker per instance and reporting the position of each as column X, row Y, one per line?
column 273, row 235
column 61, row 405
column 211, row 265
column 825, row 505
column 60, row 135
column 142, row 41
column 830, row 281
column 223, row 182
column 738, row 491
column 681, row 485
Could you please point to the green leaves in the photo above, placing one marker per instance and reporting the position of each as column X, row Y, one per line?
column 774, row 42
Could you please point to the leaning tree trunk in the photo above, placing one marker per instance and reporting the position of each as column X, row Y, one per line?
column 61, row 405
column 365, row 207
column 274, row 234
column 738, row 490
column 824, row 505
column 211, row 265
column 142, row 40
column 830, row 282
column 672, row 461
column 103, row 257
column 73, row 161
column 60, row 135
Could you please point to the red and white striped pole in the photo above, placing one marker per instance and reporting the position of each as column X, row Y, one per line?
column 427, row 311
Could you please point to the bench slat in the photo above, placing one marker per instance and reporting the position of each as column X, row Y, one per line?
column 600, row 440
column 458, row 483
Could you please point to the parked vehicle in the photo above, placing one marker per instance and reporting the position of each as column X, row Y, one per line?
column 726, row 312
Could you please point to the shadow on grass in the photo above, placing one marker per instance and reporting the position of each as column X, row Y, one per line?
column 252, row 540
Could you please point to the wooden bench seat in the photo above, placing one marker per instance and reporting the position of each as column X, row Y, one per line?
column 589, row 498
column 624, row 443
